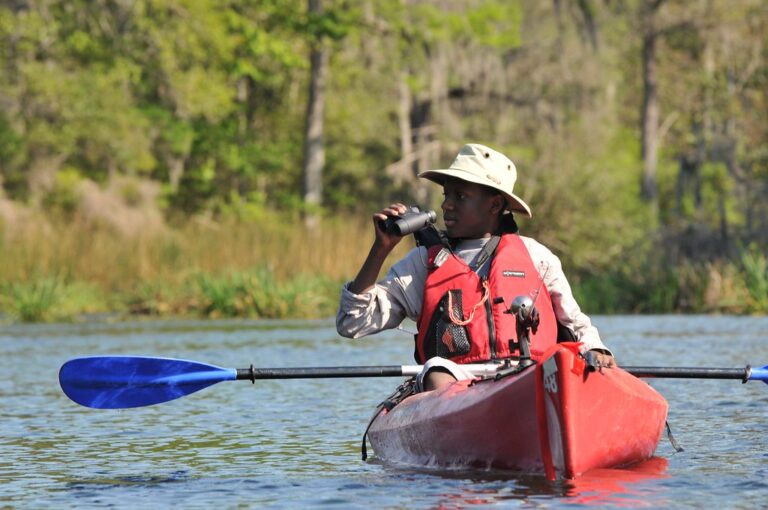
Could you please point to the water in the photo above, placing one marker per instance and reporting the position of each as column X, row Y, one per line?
column 296, row 443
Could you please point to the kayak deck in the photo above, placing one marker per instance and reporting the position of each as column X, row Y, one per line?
column 555, row 417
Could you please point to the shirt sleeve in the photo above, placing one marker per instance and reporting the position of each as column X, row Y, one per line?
column 567, row 310
column 384, row 306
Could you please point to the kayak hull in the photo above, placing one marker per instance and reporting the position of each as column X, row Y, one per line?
column 555, row 418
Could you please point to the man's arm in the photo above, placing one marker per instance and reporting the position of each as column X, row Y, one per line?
column 567, row 310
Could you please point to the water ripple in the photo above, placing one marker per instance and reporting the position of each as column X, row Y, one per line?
column 295, row 444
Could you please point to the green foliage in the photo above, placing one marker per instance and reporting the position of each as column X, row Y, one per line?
column 208, row 98
column 335, row 22
column 146, row 86
column 63, row 197
column 32, row 301
column 258, row 294
column 10, row 141
column 496, row 24
column 151, row 298
column 656, row 287
column 755, row 267
column 49, row 298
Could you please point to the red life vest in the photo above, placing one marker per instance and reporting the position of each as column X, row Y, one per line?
column 458, row 321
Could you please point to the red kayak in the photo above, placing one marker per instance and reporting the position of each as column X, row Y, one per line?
column 554, row 417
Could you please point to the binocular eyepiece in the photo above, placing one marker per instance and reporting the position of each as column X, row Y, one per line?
column 414, row 219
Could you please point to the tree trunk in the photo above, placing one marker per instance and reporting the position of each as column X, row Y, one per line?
column 314, row 148
column 175, row 172
column 650, row 116
column 404, row 120
column 587, row 12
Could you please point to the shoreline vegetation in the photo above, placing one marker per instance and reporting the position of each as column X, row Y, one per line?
column 60, row 270
column 273, row 267
column 167, row 158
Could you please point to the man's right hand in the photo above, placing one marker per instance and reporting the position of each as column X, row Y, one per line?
column 382, row 247
column 384, row 240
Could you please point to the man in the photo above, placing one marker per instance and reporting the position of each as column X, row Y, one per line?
column 458, row 293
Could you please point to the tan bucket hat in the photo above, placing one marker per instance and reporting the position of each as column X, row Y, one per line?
column 482, row 165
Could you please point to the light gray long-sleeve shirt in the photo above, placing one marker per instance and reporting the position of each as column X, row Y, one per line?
column 400, row 293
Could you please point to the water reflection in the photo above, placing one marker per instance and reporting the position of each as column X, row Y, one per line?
column 624, row 488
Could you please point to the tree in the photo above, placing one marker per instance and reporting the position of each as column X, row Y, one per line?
column 650, row 108
column 314, row 148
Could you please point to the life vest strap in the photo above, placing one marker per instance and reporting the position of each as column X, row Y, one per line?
column 452, row 313
column 487, row 252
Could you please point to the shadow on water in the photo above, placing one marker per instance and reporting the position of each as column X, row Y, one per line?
column 127, row 481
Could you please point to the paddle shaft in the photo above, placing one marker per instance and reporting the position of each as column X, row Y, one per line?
column 741, row 374
column 252, row 374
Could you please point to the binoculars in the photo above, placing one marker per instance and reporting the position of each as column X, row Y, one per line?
column 413, row 220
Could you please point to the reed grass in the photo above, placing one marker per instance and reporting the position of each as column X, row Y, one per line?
column 274, row 267
column 258, row 294
column 755, row 269
column 32, row 301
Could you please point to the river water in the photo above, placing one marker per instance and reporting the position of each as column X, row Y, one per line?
column 296, row 443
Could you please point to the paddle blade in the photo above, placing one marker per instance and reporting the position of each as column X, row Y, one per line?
column 759, row 374
column 116, row 382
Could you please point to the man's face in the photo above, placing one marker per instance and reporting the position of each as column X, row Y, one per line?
column 470, row 211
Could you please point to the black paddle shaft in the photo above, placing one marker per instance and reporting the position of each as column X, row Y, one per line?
column 251, row 374
column 691, row 373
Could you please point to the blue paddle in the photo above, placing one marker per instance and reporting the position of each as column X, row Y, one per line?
column 117, row 382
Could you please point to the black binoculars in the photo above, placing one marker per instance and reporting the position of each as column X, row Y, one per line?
column 414, row 219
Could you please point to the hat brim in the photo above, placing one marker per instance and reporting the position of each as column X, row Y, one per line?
column 514, row 203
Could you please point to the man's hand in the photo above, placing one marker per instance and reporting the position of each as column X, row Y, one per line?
column 382, row 246
column 603, row 359
column 384, row 240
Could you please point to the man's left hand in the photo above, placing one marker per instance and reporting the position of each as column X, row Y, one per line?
column 603, row 360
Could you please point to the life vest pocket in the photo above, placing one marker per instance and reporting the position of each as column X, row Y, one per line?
column 444, row 337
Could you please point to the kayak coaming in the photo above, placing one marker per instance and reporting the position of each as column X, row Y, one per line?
column 555, row 417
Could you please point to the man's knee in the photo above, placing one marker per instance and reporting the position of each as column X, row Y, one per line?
column 437, row 378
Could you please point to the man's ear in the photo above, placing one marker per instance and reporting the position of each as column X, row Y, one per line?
column 497, row 207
